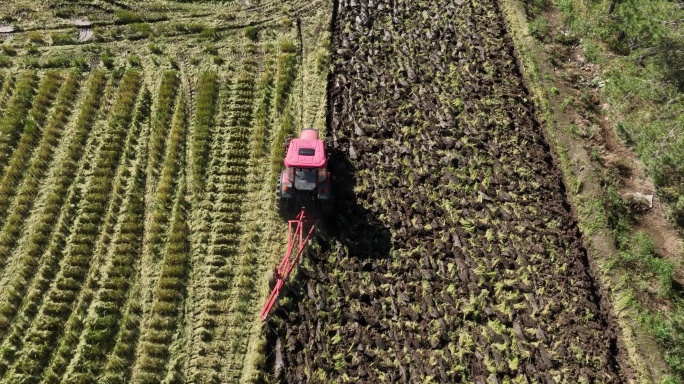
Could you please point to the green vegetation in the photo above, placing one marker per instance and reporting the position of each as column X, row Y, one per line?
column 140, row 31
column 189, row 27
column 9, row 50
column 36, row 37
column 66, row 351
column 638, row 259
column 155, row 49
column 99, row 331
column 62, row 38
column 19, row 162
column 168, row 179
column 167, row 238
column 252, row 33
column 14, row 118
column 33, row 249
column 668, row 331
column 164, row 107
column 56, row 308
column 638, row 47
column 24, row 199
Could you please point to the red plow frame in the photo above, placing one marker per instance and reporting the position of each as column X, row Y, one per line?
column 297, row 237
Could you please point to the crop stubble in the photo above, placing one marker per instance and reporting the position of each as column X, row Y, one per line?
column 487, row 278
column 139, row 198
column 66, row 287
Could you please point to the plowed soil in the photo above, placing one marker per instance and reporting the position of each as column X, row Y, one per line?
column 456, row 256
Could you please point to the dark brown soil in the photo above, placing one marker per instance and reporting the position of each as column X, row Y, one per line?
column 453, row 253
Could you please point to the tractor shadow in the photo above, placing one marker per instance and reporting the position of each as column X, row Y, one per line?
column 345, row 229
column 345, row 224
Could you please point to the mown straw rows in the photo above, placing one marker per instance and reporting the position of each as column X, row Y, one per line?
column 31, row 133
column 101, row 323
column 250, row 260
column 40, row 244
column 127, row 251
column 15, row 114
column 7, row 82
column 222, row 205
column 167, row 245
column 48, row 326
column 210, row 112
column 32, row 171
column 137, row 219
column 68, row 345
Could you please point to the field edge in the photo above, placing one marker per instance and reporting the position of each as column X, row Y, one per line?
column 598, row 238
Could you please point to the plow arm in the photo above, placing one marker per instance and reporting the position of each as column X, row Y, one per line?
column 298, row 233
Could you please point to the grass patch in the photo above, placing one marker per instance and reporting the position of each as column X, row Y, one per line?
column 62, row 39
column 669, row 331
column 155, row 49
column 35, row 37
column 9, row 50
column 641, row 47
column 140, row 31
column 189, row 27
column 539, row 28
column 535, row 7
column 648, row 272
column 252, row 33
column 638, row 254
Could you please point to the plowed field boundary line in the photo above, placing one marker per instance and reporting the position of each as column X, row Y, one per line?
column 599, row 241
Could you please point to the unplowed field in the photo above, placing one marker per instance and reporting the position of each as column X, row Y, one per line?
column 137, row 178
column 483, row 276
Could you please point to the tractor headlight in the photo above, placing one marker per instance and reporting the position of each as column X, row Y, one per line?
column 290, row 174
column 322, row 174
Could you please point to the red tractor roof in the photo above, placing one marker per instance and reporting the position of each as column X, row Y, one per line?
column 306, row 153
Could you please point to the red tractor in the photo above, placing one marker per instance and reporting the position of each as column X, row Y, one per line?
column 306, row 173
column 305, row 168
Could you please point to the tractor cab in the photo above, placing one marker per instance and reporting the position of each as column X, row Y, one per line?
column 305, row 167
